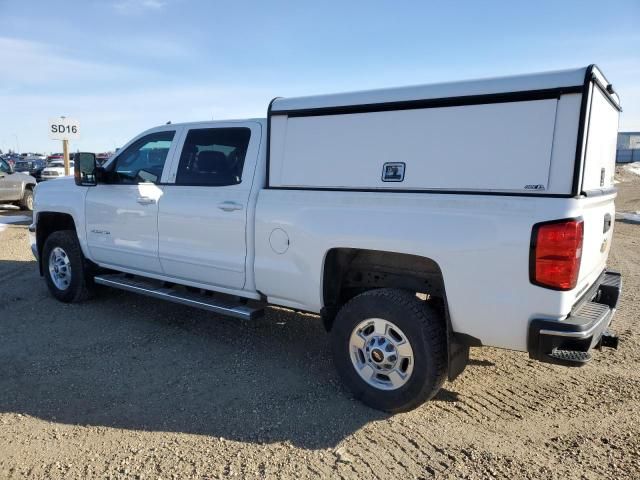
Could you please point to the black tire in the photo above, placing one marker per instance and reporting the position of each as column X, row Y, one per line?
column 79, row 287
column 27, row 200
column 423, row 327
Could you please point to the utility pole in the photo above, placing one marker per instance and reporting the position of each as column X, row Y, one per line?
column 65, row 155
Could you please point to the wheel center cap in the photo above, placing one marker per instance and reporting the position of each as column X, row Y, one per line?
column 377, row 355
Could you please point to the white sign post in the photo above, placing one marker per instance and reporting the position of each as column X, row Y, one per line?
column 64, row 129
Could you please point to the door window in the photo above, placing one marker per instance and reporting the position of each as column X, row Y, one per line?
column 4, row 167
column 143, row 160
column 213, row 156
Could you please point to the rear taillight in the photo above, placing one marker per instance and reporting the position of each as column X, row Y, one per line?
column 556, row 250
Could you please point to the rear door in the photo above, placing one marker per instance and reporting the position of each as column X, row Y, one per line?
column 122, row 216
column 202, row 216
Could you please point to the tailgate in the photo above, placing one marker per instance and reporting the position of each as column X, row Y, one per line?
column 598, row 214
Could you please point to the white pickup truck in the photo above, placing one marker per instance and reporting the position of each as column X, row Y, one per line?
column 416, row 221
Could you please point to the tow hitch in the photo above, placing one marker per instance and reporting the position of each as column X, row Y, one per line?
column 609, row 340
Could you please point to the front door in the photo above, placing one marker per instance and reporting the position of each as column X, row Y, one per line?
column 122, row 215
column 203, row 211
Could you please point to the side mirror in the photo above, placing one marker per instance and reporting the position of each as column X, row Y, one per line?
column 85, row 169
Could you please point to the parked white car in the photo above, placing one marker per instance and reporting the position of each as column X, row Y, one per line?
column 56, row 170
column 416, row 221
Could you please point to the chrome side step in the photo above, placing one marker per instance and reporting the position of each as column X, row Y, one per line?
column 207, row 301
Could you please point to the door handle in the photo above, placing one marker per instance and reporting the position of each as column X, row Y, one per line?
column 230, row 206
column 146, row 200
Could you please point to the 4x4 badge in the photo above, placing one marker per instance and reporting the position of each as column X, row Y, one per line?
column 393, row 172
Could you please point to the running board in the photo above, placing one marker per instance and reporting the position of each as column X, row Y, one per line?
column 210, row 301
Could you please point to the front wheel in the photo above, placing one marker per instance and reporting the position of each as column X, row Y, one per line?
column 27, row 200
column 63, row 267
column 390, row 348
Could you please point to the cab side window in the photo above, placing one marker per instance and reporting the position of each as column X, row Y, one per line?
column 143, row 161
column 213, row 156
column 4, row 167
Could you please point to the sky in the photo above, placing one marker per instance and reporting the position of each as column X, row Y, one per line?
column 122, row 66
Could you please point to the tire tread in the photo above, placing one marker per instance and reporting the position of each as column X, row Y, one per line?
column 69, row 241
column 433, row 334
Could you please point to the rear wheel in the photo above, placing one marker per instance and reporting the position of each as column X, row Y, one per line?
column 390, row 349
column 63, row 266
column 27, row 200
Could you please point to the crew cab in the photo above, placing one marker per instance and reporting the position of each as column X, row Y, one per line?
column 416, row 221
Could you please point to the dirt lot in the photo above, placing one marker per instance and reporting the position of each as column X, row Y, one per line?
column 128, row 387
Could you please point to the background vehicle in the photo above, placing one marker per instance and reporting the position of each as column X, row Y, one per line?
column 102, row 158
column 16, row 187
column 56, row 170
column 54, row 156
column 31, row 165
column 11, row 158
column 410, row 249
column 32, row 155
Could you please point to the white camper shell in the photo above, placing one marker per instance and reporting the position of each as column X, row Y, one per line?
column 528, row 134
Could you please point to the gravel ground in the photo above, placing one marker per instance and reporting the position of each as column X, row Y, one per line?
column 127, row 387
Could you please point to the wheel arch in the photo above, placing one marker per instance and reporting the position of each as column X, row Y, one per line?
column 346, row 272
column 47, row 223
column 24, row 186
column 349, row 270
